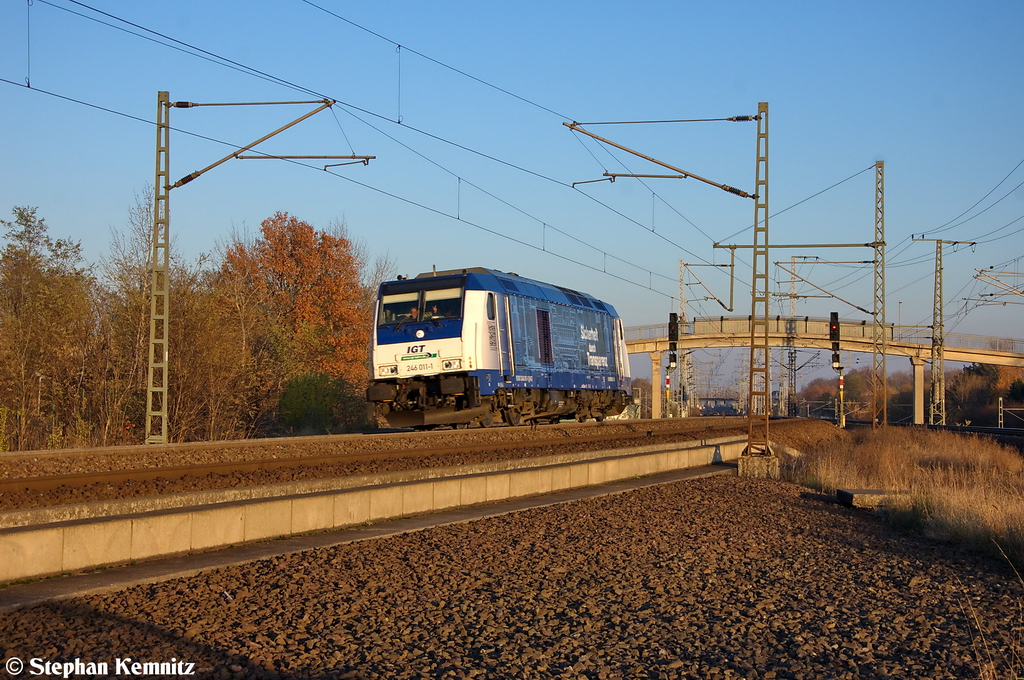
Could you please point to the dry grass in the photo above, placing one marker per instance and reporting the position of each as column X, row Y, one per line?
column 964, row 489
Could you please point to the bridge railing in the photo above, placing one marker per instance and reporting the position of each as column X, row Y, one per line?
column 740, row 325
column 803, row 325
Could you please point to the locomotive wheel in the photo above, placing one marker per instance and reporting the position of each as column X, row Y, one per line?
column 511, row 417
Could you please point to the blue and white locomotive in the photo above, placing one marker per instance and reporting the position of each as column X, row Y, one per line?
column 479, row 346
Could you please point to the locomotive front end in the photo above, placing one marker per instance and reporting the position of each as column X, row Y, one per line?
column 420, row 359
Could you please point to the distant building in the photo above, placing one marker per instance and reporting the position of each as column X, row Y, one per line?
column 719, row 406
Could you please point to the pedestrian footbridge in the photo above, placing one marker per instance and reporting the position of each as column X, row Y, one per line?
column 912, row 342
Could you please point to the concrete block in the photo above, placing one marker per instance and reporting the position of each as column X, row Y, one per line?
column 866, row 498
column 215, row 527
column 163, row 534
column 94, row 543
column 312, row 513
column 579, row 475
column 529, row 482
column 386, row 501
column 447, row 493
column 267, row 519
column 733, row 450
column 351, row 507
column 474, row 490
column 602, row 471
column 560, row 478
column 641, row 466
column 417, row 498
column 762, row 467
column 498, row 486
column 674, row 460
column 29, row 554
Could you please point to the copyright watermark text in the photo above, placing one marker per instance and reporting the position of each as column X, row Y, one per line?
column 69, row 669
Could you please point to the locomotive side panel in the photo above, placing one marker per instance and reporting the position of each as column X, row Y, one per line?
column 562, row 347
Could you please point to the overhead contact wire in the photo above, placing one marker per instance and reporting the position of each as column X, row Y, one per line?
column 439, row 63
column 387, row 193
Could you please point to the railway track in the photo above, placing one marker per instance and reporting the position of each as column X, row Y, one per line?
column 260, row 462
column 48, row 482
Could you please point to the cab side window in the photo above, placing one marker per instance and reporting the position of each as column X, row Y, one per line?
column 491, row 307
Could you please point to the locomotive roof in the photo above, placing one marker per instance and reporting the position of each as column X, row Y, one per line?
column 494, row 279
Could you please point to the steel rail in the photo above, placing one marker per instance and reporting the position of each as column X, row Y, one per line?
column 110, row 477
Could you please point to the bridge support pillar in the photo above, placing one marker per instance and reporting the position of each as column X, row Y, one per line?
column 656, row 384
column 918, row 365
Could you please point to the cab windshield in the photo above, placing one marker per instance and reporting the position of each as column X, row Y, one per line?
column 410, row 306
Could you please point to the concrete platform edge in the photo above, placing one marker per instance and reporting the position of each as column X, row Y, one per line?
column 79, row 544
column 53, row 589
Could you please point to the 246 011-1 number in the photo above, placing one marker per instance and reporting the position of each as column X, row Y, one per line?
column 415, row 368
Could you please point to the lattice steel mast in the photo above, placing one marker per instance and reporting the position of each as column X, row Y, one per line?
column 759, row 394
column 686, row 370
column 938, row 400
column 879, row 391
column 156, row 395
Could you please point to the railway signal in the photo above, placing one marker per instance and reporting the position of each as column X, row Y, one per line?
column 833, row 335
column 673, row 338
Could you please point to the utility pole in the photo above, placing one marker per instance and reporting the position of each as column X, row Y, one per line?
column 938, row 403
column 787, row 387
column 759, row 393
column 687, row 370
column 684, row 368
column 156, row 396
column 879, row 391
column 159, row 307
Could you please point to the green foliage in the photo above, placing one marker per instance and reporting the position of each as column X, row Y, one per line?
column 988, row 372
column 307, row 404
column 1016, row 391
column 314, row 403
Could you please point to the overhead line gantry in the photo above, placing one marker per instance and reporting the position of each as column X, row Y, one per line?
column 759, row 386
column 158, row 377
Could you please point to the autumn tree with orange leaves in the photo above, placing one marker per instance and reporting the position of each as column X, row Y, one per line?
column 298, row 295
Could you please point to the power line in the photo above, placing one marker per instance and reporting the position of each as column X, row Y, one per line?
column 214, row 58
column 197, row 51
column 217, row 59
column 400, row 198
column 944, row 227
column 435, row 61
column 815, row 195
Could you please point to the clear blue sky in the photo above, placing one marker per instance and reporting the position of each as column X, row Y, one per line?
column 933, row 89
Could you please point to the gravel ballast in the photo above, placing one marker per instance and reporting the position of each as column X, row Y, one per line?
column 569, row 438
column 721, row 577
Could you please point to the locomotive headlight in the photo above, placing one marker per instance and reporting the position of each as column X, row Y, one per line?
column 451, row 364
column 390, row 369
